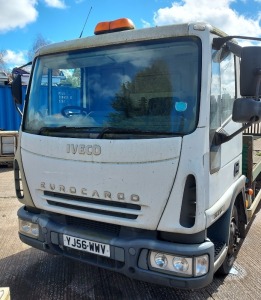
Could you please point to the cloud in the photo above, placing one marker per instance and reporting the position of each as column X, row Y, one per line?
column 217, row 13
column 15, row 59
column 55, row 3
column 17, row 13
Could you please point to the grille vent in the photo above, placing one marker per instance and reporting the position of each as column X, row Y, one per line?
column 98, row 206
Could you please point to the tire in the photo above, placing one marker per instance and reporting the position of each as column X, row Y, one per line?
column 241, row 220
column 242, row 229
column 233, row 244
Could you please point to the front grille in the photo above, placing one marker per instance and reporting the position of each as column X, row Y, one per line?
column 93, row 258
column 98, row 206
column 112, row 229
column 219, row 246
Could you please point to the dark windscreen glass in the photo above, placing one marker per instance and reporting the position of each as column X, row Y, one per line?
column 150, row 89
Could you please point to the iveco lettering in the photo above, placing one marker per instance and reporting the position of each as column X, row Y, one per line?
column 83, row 149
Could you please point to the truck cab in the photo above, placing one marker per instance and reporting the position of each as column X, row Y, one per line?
column 127, row 163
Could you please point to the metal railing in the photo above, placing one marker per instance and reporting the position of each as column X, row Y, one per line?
column 254, row 129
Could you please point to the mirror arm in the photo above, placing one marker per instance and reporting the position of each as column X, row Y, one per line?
column 221, row 137
column 18, row 109
column 220, row 41
column 234, row 48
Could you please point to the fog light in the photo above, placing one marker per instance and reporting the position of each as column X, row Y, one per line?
column 161, row 260
column 180, row 264
column 29, row 228
column 201, row 265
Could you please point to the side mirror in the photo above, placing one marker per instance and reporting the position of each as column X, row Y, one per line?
column 16, row 88
column 246, row 110
column 250, row 72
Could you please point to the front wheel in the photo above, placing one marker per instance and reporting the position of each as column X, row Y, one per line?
column 233, row 244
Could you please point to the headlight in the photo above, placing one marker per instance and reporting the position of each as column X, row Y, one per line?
column 161, row 260
column 29, row 228
column 179, row 265
column 171, row 263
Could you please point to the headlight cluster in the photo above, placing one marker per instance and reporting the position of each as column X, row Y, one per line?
column 29, row 228
column 179, row 265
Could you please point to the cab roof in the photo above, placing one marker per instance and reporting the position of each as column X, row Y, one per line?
column 126, row 36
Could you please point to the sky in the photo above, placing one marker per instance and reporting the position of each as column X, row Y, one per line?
column 21, row 21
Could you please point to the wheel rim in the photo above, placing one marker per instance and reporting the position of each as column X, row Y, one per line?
column 233, row 239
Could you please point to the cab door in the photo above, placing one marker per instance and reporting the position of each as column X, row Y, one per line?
column 225, row 159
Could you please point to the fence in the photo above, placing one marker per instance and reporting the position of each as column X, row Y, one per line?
column 254, row 129
column 9, row 116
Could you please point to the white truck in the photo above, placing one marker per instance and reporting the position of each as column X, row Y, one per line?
column 134, row 164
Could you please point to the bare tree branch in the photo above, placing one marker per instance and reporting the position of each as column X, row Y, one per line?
column 2, row 62
column 39, row 42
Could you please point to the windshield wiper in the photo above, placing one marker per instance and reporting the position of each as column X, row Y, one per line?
column 63, row 129
column 45, row 130
column 129, row 131
column 98, row 130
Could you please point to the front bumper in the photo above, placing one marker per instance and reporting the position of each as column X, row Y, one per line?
column 129, row 250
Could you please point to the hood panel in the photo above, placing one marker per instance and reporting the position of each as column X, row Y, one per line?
column 126, row 182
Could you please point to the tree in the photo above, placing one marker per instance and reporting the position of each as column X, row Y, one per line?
column 2, row 62
column 39, row 42
column 149, row 93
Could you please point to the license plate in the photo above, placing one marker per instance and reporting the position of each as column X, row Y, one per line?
column 86, row 245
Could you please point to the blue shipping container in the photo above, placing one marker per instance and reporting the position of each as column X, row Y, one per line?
column 10, row 119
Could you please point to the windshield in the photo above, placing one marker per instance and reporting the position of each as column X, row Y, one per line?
column 134, row 90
